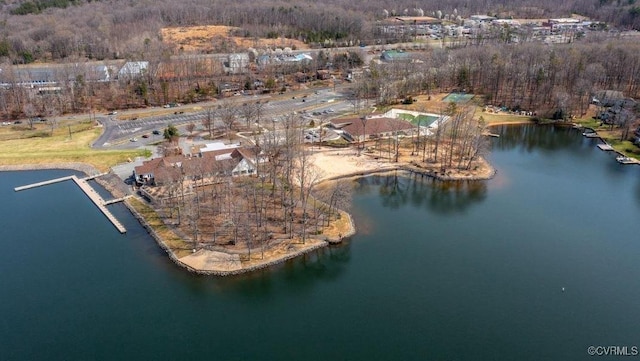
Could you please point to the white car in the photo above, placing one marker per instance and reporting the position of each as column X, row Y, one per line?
column 133, row 139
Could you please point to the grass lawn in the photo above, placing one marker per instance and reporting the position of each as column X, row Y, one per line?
column 20, row 145
column 610, row 135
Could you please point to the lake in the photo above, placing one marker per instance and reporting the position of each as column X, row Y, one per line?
column 539, row 263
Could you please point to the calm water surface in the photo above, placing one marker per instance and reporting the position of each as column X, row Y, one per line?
column 438, row 271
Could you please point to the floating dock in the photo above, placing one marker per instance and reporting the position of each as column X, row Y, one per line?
column 605, row 147
column 626, row 160
column 89, row 191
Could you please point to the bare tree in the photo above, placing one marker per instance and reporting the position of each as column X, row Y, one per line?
column 30, row 111
column 207, row 122
column 190, row 128
column 229, row 116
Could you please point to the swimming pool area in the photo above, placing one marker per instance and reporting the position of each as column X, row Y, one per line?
column 419, row 120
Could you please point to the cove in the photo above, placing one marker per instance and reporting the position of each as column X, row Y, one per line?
column 437, row 270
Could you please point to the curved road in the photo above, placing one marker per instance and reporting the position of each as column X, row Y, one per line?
column 119, row 133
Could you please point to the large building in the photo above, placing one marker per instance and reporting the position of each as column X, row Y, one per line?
column 373, row 127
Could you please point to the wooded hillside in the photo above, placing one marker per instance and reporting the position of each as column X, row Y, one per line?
column 52, row 30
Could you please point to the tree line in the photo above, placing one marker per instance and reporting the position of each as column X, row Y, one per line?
column 55, row 30
column 549, row 81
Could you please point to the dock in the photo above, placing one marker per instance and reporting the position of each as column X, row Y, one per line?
column 605, row 147
column 44, row 183
column 626, row 160
column 90, row 192
column 116, row 200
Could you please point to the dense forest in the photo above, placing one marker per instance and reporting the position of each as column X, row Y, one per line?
column 53, row 30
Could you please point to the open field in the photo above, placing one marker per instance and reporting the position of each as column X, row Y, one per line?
column 207, row 38
column 436, row 104
column 22, row 146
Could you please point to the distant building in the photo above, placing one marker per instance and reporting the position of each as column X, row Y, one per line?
column 133, row 69
column 300, row 58
column 236, row 63
column 607, row 98
column 409, row 25
column 560, row 24
column 48, row 75
column 506, row 22
column 482, row 18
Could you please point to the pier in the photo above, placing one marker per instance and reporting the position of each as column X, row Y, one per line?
column 44, row 183
column 90, row 192
column 116, row 200
column 605, row 147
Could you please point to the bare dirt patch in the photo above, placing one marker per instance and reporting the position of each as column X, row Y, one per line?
column 219, row 38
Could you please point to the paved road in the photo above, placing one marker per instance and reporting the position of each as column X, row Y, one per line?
column 119, row 133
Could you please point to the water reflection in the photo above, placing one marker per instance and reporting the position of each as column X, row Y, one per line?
column 301, row 274
column 538, row 137
column 401, row 189
column 324, row 264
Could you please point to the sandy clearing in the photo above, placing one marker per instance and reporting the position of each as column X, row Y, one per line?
column 334, row 163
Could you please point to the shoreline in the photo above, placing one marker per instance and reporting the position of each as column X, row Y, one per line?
column 216, row 263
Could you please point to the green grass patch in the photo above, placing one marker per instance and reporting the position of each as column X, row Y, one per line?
column 61, row 147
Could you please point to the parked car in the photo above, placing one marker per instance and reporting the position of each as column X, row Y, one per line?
column 145, row 136
column 156, row 132
column 133, row 139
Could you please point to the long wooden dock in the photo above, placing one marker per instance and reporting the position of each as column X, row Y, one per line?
column 44, row 183
column 89, row 191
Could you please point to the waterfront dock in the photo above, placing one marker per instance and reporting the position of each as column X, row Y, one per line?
column 89, row 191
column 43, row 183
column 116, row 200
column 605, row 147
column 626, row 160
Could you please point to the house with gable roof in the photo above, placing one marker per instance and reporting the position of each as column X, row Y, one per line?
column 227, row 162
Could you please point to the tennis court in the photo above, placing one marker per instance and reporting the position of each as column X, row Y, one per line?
column 457, row 97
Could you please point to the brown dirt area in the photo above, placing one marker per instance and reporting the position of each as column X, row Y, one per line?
column 211, row 38
column 343, row 163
